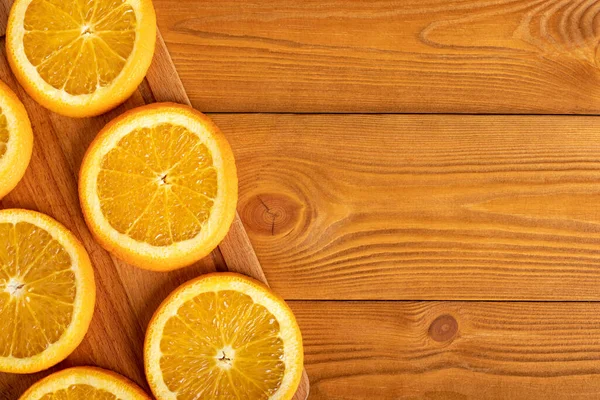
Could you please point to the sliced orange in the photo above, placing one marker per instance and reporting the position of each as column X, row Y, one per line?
column 16, row 140
column 47, row 291
column 158, row 186
column 84, row 383
column 223, row 336
column 80, row 58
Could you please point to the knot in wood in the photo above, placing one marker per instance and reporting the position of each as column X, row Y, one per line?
column 271, row 214
column 443, row 328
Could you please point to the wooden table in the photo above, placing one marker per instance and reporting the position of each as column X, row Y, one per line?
column 430, row 248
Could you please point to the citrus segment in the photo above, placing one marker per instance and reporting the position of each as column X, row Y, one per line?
column 81, row 58
column 76, row 52
column 3, row 134
column 84, row 383
column 159, row 187
column 223, row 335
column 47, row 292
column 16, row 140
column 174, row 188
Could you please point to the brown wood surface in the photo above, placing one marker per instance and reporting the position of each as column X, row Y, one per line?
column 413, row 351
column 126, row 296
column 421, row 206
column 459, row 56
column 346, row 207
column 390, row 207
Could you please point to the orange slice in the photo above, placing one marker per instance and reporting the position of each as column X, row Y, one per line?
column 80, row 58
column 47, row 291
column 84, row 383
column 16, row 140
column 158, row 186
column 223, row 336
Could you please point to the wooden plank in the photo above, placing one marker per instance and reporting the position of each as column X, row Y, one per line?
column 412, row 350
column 458, row 56
column 419, row 207
column 126, row 296
column 4, row 11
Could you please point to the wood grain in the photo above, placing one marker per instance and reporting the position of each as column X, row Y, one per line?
column 498, row 351
column 4, row 11
column 458, row 56
column 421, row 206
column 126, row 296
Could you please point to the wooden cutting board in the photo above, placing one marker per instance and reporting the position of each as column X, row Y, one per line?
column 126, row 296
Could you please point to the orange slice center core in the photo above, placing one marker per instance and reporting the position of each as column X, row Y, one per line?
column 158, row 185
column 79, row 46
column 37, row 290
column 222, row 343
